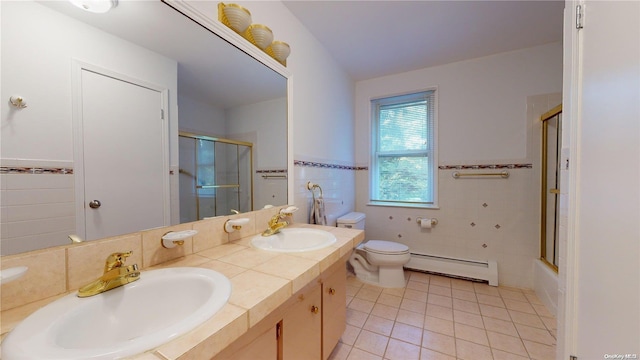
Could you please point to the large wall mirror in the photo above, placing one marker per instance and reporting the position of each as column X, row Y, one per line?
column 208, row 89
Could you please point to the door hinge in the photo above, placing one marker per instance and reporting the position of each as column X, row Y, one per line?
column 162, row 114
column 579, row 17
column 278, row 330
column 573, row 357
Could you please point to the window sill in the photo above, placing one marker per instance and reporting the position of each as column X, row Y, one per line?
column 404, row 205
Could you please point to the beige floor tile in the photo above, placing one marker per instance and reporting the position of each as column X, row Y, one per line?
column 460, row 284
column 361, row 305
column 413, row 305
column 468, row 306
column 503, row 355
column 350, row 334
column 407, row 333
column 439, row 325
column 410, row 318
column 340, row 352
column 368, row 294
column 439, row 290
column 539, row 351
column 550, row 323
column 348, row 300
column 379, row 325
column 439, row 342
column 485, row 289
column 440, row 300
column 357, row 354
column 394, row 291
column 416, row 295
column 371, row 342
column 506, row 343
column 356, row 318
column 417, row 285
column 499, row 326
column 542, row 310
column 526, row 319
column 469, row 351
column 512, row 294
column 385, row 311
column 464, row 295
column 419, row 277
column 373, row 287
column 352, row 290
column 494, row 312
column 400, row 350
column 390, row 300
column 533, row 299
column 468, row 319
column 440, row 281
column 436, row 317
column 522, row 306
column 426, row 354
column 542, row 336
column 441, row 312
column 472, row 334
column 490, row 300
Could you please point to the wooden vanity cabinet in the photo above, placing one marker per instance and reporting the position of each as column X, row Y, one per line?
column 307, row 326
column 334, row 309
column 302, row 327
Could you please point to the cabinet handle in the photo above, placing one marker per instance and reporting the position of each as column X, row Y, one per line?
column 314, row 309
column 332, row 291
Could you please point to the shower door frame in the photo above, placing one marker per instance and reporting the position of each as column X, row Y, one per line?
column 551, row 114
column 225, row 141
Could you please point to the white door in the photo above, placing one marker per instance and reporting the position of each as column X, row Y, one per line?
column 603, row 269
column 125, row 176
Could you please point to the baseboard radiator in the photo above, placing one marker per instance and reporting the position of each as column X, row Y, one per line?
column 470, row 269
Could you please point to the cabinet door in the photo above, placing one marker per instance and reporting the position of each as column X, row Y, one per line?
column 334, row 310
column 250, row 346
column 302, row 326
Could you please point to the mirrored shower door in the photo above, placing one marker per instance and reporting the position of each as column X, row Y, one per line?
column 551, row 140
column 215, row 177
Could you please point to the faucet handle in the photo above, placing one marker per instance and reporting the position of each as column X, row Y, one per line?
column 116, row 260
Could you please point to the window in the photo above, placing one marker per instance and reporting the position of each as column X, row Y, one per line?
column 403, row 165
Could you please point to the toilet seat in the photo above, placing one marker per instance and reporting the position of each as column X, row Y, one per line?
column 385, row 247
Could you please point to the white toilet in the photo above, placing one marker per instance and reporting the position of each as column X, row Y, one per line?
column 376, row 262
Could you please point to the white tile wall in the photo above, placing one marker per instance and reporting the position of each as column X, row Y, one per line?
column 37, row 210
column 338, row 185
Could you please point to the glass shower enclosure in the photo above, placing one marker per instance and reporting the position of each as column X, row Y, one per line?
column 215, row 176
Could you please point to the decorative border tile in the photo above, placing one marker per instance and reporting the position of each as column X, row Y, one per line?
column 490, row 166
column 35, row 170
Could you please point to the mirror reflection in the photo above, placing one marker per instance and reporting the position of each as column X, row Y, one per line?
column 204, row 86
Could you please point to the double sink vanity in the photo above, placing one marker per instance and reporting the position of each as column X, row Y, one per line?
column 219, row 295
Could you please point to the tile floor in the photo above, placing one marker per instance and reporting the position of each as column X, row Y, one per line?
column 436, row 317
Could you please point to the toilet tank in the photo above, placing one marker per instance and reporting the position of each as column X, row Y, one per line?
column 352, row 220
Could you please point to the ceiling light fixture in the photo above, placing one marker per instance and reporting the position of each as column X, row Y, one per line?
column 95, row 6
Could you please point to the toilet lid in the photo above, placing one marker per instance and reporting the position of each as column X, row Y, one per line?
column 386, row 247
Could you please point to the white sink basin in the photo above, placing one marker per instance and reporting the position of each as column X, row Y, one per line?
column 294, row 240
column 125, row 321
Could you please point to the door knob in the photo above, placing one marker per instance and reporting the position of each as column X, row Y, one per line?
column 315, row 309
column 94, row 204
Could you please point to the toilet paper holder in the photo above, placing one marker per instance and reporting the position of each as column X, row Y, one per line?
column 434, row 221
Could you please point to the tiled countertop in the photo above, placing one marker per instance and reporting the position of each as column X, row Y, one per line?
column 261, row 281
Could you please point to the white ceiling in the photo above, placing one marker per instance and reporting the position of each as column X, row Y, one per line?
column 376, row 38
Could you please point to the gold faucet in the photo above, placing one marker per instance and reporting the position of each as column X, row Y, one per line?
column 115, row 275
column 275, row 224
